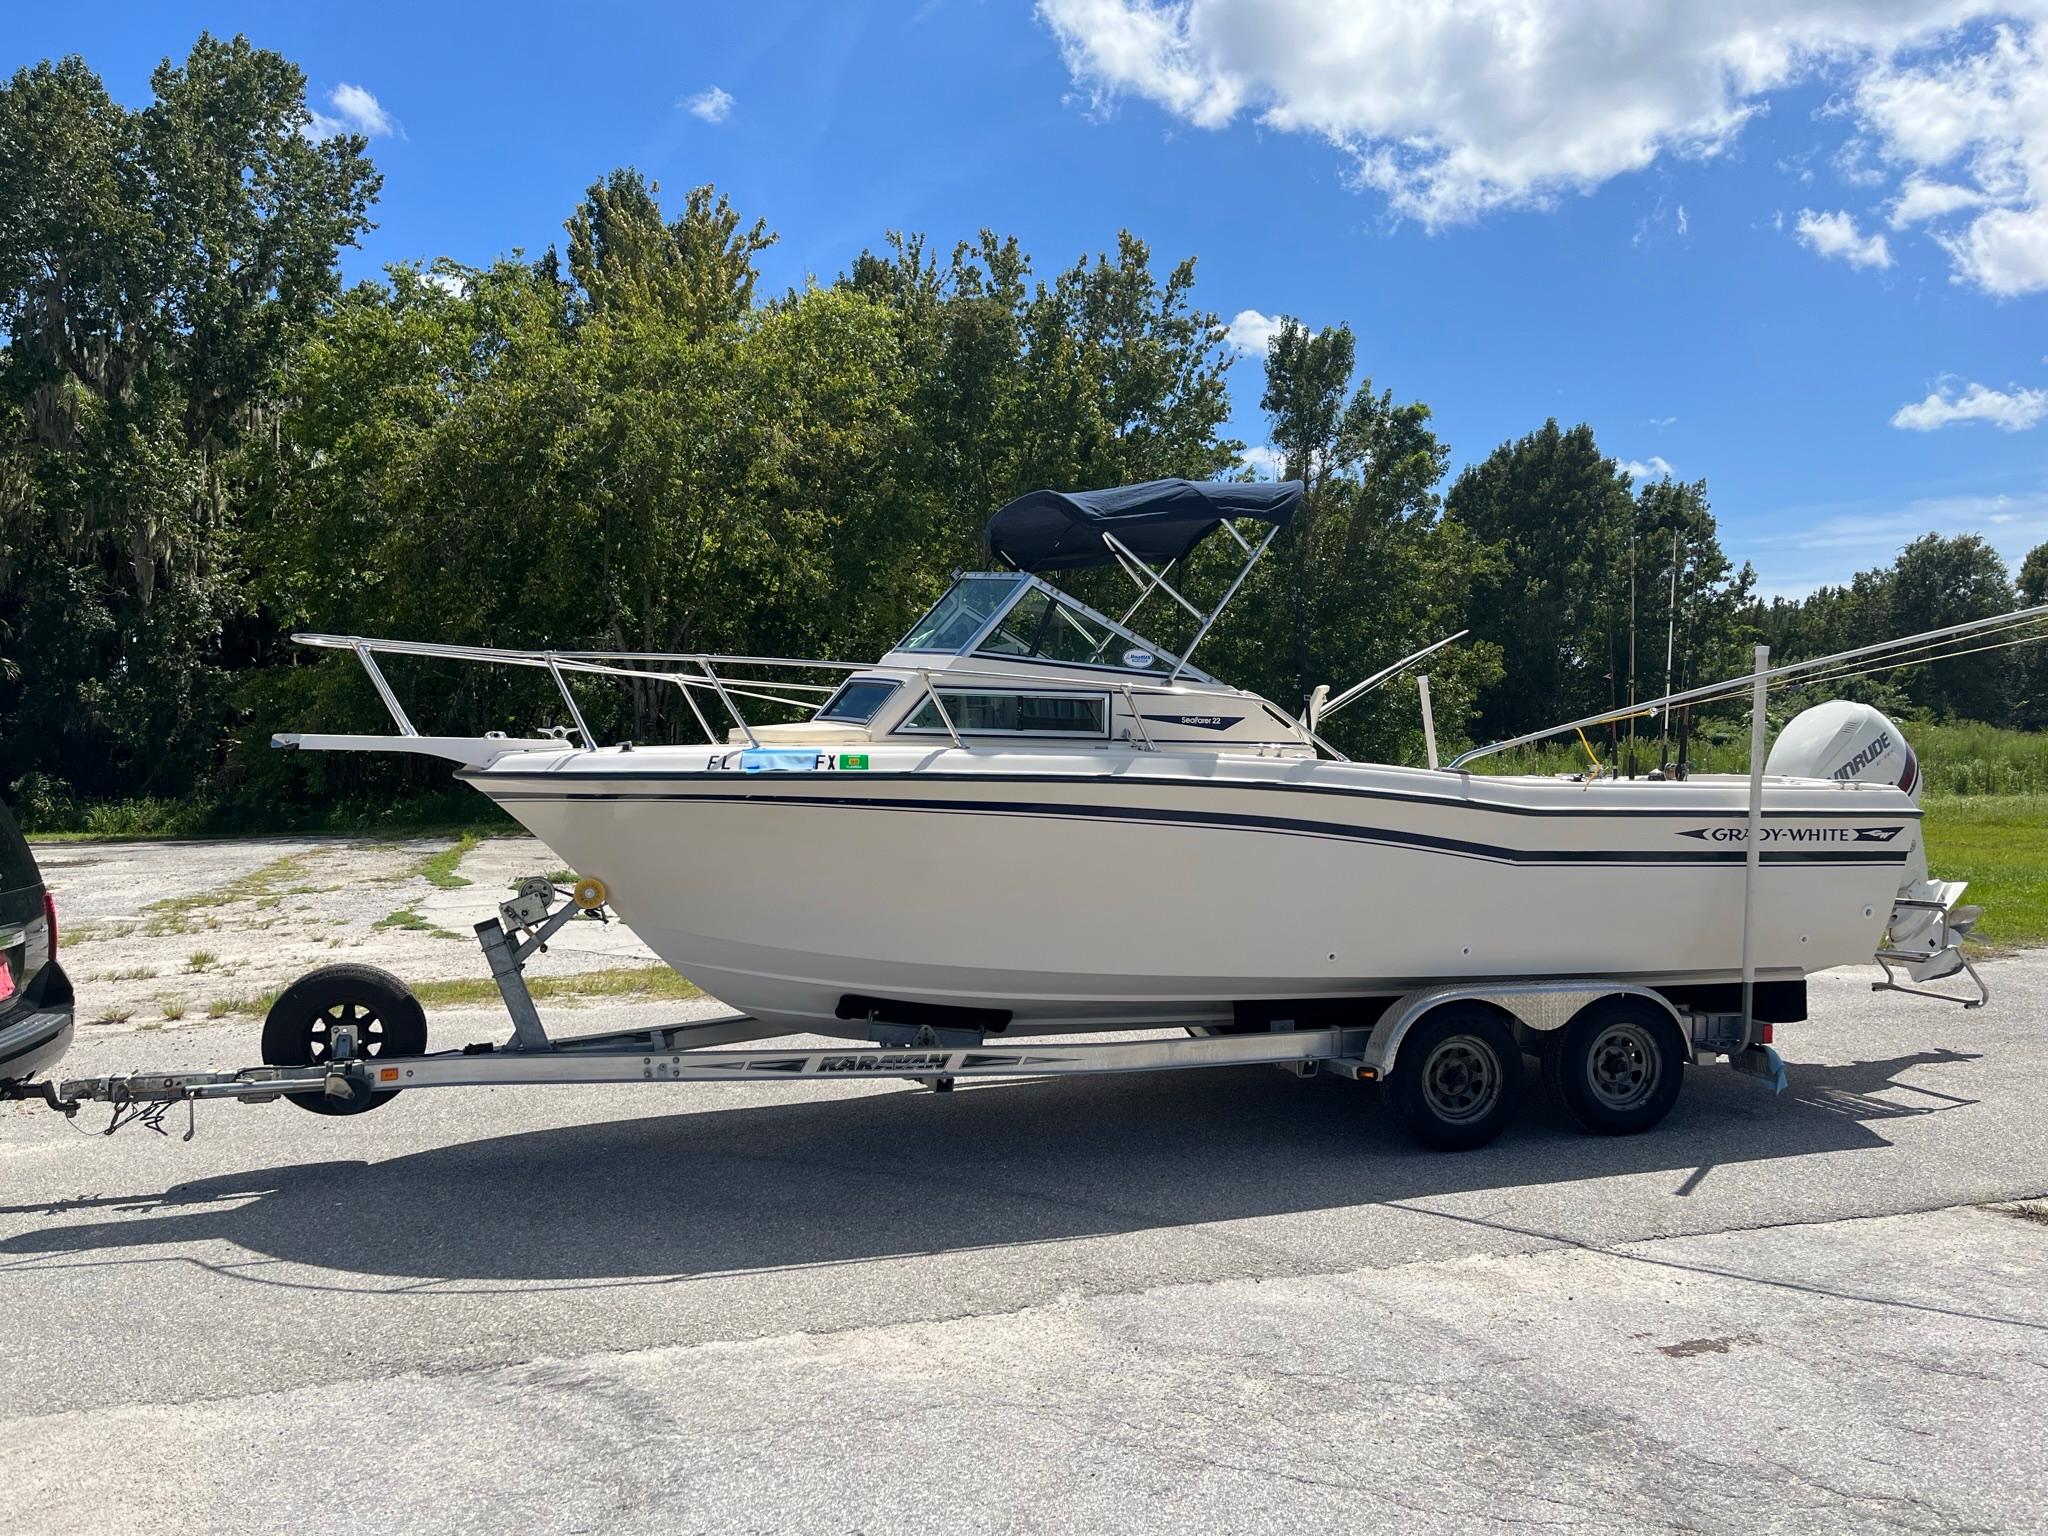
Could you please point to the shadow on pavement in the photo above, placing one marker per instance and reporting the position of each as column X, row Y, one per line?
column 829, row 1181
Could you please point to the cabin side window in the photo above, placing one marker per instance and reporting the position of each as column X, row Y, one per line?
column 988, row 712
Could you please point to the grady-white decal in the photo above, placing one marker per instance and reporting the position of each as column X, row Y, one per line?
column 1866, row 757
column 1737, row 834
column 1198, row 722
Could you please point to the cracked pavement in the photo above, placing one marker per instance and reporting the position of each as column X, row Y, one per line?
column 1208, row 1300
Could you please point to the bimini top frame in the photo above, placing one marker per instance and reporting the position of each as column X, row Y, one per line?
column 1136, row 525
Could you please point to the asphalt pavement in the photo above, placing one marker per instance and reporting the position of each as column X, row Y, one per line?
column 1224, row 1299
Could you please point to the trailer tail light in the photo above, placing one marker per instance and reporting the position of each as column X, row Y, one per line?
column 1768, row 1035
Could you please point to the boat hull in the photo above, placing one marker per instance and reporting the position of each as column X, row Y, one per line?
column 1122, row 890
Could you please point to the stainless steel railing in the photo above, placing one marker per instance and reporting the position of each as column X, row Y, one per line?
column 695, row 672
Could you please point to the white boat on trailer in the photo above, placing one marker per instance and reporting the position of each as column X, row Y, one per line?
column 1027, row 821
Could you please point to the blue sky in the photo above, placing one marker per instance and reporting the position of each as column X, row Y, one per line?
column 1801, row 253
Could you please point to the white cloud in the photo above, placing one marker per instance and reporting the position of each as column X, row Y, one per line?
column 355, row 111
column 454, row 284
column 1969, row 127
column 1661, row 422
column 1835, row 234
column 2010, row 411
column 1683, row 224
column 1921, row 199
column 1655, row 467
column 2004, row 252
column 1266, row 463
column 1456, row 109
column 1251, row 331
column 712, row 105
column 1809, row 547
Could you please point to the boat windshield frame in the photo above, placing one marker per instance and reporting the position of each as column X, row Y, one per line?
column 1026, row 584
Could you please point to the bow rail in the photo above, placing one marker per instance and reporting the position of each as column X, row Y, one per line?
column 698, row 672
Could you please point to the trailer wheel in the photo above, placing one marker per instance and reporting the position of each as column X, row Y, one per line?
column 387, row 1018
column 1457, row 1080
column 1617, row 1067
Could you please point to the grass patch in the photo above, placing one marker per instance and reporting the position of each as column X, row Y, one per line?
column 265, row 886
column 649, row 983
column 244, row 1007
column 171, row 1006
column 83, row 930
column 1999, row 843
column 408, row 919
column 653, row 982
column 129, row 973
column 439, row 870
column 199, row 960
column 115, row 1016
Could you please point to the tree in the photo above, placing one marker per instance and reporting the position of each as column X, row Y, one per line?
column 1939, row 581
column 1104, row 376
column 1368, row 570
column 1700, row 619
column 157, row 268
column 696, row 273
column 2033, row 579
column 1559, row 513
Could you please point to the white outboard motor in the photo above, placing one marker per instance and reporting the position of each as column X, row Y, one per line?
column 1841, row 740
column 1844, row 740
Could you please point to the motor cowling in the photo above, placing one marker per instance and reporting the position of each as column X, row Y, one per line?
column 1849, row 741
column 1844, row 740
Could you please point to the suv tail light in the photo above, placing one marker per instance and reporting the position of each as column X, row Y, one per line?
column 50, row 920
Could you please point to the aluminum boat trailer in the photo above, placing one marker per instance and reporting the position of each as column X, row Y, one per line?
column 1446, row 1057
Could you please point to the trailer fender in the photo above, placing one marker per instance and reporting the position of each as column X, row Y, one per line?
column 1534, row 1007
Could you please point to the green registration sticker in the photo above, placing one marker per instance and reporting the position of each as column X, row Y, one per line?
column 857, row 761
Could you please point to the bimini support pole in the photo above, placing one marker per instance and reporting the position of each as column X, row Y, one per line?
column 1224, row 601
column 1753, row 844
column 1428, row 717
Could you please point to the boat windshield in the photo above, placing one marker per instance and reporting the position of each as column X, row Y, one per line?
column 960, row 614
column 1047, row 627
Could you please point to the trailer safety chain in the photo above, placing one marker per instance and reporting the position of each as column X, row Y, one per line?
column 149, row 1114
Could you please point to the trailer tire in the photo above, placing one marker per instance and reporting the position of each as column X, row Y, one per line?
column 1617, row 1066
column 388, row 1018
column 1457, row 1079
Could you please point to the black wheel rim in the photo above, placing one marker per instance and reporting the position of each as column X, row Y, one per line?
column 363, row 1019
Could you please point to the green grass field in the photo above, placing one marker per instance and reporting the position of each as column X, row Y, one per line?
column 1999, row 843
